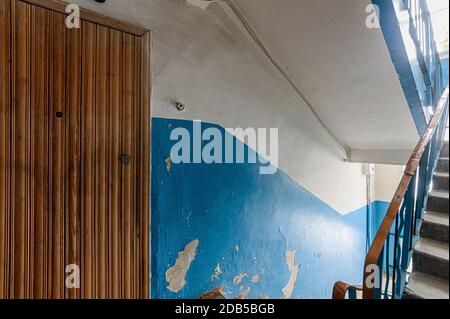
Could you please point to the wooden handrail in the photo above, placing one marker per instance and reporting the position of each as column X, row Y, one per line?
column 411, row 167
column 340, row 288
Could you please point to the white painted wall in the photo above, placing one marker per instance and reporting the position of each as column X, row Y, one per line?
column 202, row 58
column 387, row 179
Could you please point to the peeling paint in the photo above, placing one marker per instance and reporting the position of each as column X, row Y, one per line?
column 176, row 275
column 293, row 268
column 245, row 294
column 217, row 273
column 256, row 279
column 168, row 164
column 218, row 293
column 238, row 279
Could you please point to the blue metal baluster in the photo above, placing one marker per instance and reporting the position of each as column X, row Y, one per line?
column 378, row 288
column 352, row 294
column 400, row 246
column 438, row 133
column 446, row 120
column 410, row 215
column 421, row 191
column 387, row 246
column 440, row 137
column 433, row 151
column 395, row 261
column 427, row 173
column 442, row 129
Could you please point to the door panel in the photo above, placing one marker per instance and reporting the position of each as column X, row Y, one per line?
column 73, row 119
column 56, row 157
column 74, row 156
column 127, row 170
column 89, row 31
column 114, row 184
column 39, row 150
column 5, row 156
column 21, row 173
column 101, row 163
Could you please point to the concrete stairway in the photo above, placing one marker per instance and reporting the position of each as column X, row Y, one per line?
column 429, row 279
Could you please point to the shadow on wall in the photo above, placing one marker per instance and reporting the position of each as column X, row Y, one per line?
column 255, row 235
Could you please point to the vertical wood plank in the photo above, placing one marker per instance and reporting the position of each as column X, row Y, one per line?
column 88, row 269
column 29, row 232
column 12, row 151
column 102, row 162
column 73, row 138
column 56, row 272
column 39, row 147
column 5, row 94
column 114, row 160
column 137, row 167
column 30, row 148
column 127, row 169
column 145, row 166
column 21, row 159
column 137, row 120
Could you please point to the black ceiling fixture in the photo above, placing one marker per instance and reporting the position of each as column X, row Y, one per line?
column 100, row 1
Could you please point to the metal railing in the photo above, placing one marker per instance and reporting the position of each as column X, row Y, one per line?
column 421, row 32
column 388, row 259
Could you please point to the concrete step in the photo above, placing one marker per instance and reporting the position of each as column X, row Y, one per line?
column 444, row 152
column 423, row 286
column 440, row 181
column 442, row 165
column 438, row 201
column 431, row 257
column 435, row 226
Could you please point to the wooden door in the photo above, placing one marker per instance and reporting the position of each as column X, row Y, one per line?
column 74, row 154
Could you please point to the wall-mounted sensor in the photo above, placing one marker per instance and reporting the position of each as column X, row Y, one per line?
column 180, row 106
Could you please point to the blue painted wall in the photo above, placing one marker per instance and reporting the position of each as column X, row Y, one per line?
column 379, row 210
column 226, row 206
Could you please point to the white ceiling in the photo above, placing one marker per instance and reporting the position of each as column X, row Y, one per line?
column 342, row 68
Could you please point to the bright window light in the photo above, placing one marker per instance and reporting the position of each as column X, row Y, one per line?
column 439, row 10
